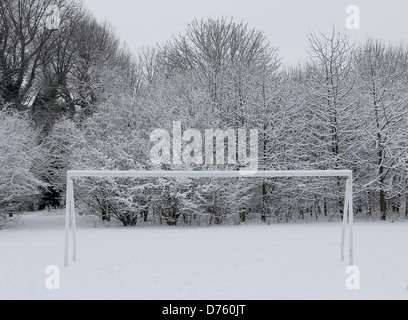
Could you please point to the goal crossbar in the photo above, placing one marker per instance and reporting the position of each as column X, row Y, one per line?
column 70, row 219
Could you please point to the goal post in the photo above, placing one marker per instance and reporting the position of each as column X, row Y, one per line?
column 70, row 219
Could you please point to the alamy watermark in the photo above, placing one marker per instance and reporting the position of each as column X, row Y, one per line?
column 52, row 17
column 353, row 278
column 192, row 147
column 353, row 18
column 53, row 280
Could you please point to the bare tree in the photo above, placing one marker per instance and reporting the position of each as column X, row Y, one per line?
column 25, row 46
column 210, row 47
column 328, row 106
column 382, row 83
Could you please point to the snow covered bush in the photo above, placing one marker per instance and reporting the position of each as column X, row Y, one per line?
column 59, row 151
column 19, row 152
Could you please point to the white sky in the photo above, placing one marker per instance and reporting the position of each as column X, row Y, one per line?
column 286, row 23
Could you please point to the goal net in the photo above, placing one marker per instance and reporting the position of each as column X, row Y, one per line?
column 70, row 221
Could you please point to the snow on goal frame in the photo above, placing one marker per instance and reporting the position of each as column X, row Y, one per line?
column 348, row 215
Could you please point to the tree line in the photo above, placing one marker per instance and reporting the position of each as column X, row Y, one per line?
column 77, row 98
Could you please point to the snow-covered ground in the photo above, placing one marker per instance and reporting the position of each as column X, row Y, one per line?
column 296, row 261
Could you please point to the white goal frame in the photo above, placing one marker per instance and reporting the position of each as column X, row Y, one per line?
column 348, row 215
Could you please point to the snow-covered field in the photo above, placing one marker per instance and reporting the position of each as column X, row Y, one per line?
column 297, row 261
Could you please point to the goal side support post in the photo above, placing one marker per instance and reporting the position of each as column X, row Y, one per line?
column 348, row 215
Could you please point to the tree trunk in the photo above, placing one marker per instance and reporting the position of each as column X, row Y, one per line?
column 243, row 215
column 317, row 207
column 145, row 214
column 369, row 212
column 406, row 206
column 341, row 207
column 383, row 200
column 185, row 219
column 105, row 211
column 383, row 205
column 263, row 217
